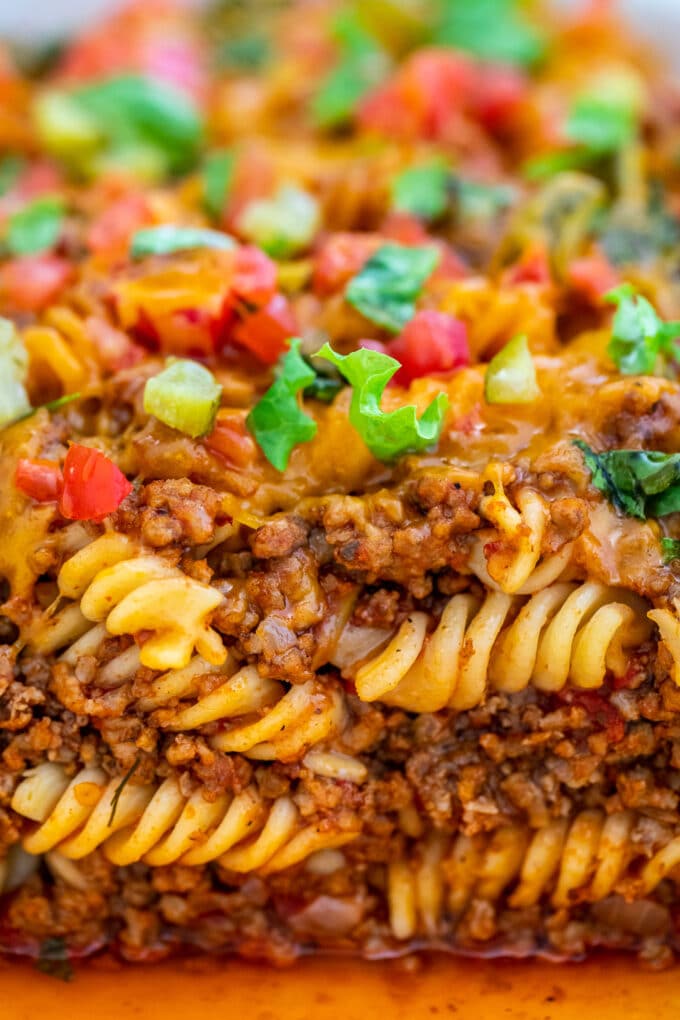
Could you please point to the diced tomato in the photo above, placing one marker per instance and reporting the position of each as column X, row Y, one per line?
column 266, row 331
column 93, row 485
column 424, row 98
column 498, row 97
column 592, row 276
column 339, row 258
column 111, row 231
column 533, row 267
column 30, row 283
column 230, row 439
column 115, row 349
column 254, row 279
column 405, row 228
column 431, row 342
column 41, row 480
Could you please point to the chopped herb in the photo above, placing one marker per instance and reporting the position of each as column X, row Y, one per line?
column 511, row 375
column 386, row 288
column 167, row 238
column 53, row 959
column 36, row 227
column 217, row 177
column 121, row 786
column 184, row 396
column 361, row 65
column 277, row 421
column 494, row 30
column 640, row 340
column 11, row 168
column 284, row 224
column 640, row 483
column 422, row 190
column 387, row 434
column 670, row 547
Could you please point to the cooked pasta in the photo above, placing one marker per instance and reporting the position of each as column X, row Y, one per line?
column 162, row 825
column 566, row 632
column 339, row 419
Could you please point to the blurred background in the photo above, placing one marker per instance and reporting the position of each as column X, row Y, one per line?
column 48, row 19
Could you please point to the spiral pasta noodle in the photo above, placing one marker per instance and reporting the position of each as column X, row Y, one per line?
column 160, row 825
column 123, row 590
column 586, row 859
column 568, row 632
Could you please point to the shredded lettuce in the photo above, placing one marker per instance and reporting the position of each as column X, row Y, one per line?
column 277, row 421
column 217, row 177
column 494, row 30
column 422, row 190
column 670, row 548
column 361, row 65
column 386, row 288
column 640, row 483
column 387, row 434
column 36, row 227
column 641, row 341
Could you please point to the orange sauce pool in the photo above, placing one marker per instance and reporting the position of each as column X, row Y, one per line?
column 606, row 988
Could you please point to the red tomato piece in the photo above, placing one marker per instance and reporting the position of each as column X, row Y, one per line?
column 41, row 480
column 339, row 258
column 430, row 343
column 93, row 485
column 533, row 267
column 30, row 283
column 592, row 276
column 499, row 95
column 266, row 331
column 254, row 279
column 113, row 229
column 230, row 439
column 425, row 97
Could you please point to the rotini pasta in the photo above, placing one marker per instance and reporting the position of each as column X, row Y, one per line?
column 161, row 825
column 566, row 862
column 567, row 632
column 339, row 402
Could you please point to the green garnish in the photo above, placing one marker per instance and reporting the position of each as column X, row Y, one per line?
column 361, row 65
column 385, row 289
column 165, row 239
column 53, row 959
column 477, row 201
column 14, row 402
column 184, row 396
column 277, row 421
column 494, row 30
column 324, row 388
column 217, row 177
column 422, row 190
column 249, row 53
column 670, row 547
column 284, row 224
column 10, row 170
column 140, row 124
column 599, row 123
column 640, row 483
column 511, row 375
column 387, row 435
column 121, row 786
column 36, row 227
column 640, row 340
